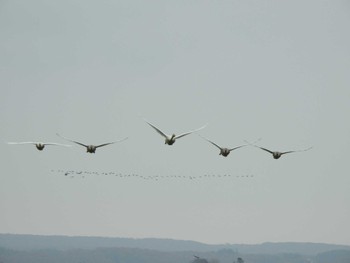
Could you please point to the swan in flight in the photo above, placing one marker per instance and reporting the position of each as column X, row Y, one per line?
column 170, row 139
column 223, row 151
column 277, row 154
column 40, row 145
column 91, row 148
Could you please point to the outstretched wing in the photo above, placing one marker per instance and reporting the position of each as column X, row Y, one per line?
column 72, row 140
column 254, row 142
column 187, row 133
column 296, row 151
column 158, row 130
column 213, row 143
column 57, row 144
column 22, row 142
column 264, row 149
column 237, row 147
column 108, row 143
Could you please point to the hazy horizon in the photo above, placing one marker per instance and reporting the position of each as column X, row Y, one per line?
column 168, row 238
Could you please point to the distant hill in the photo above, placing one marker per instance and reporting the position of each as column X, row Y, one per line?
column 30, row 242
column 135, row 255
column 37, row 242
column 289, row 247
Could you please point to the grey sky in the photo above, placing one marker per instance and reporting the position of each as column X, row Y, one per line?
column 88, row 70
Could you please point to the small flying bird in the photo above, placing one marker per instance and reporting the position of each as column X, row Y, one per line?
column 40, row 145
column 91, row 148
column 223, row 151
column 170, row 139
column 277, row 154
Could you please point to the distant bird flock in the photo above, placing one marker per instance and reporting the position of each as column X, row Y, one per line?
column 86, row 174
column 169, row 140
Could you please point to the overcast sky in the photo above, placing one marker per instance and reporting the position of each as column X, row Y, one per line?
column 90, row 70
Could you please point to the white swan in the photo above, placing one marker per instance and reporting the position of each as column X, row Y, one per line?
column 170, row 139
column 40, row 145
column 277, row 154
column 91, row 148
column 223, row 151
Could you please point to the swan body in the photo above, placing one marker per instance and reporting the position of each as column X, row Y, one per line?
column 223, row 151
column 40, row 145
column 92, row 148
column 170, row 139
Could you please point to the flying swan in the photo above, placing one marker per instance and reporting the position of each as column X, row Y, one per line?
column 223, row 151
column 170, row 139
column 91, row 148
column 40, row 145
column 277, row 154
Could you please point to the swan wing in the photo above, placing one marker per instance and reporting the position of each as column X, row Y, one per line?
column 72, row 140
column 57, row 144
column 158, row 130
column 237, row 147
column 262, row 148
column 108, row 143
column 187, row 133
column 296, row 151
column 213, row 143
column 22, row 142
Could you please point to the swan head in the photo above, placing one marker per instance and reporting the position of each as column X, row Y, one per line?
column 91, row 149
column 170, row 140
column 276, row 155
column 224, row 152
column 40, row 146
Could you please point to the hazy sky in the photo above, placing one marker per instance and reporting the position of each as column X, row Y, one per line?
column 276, row 70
